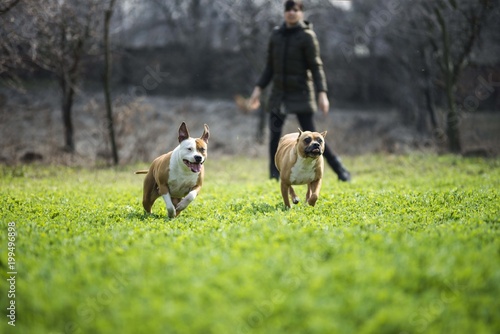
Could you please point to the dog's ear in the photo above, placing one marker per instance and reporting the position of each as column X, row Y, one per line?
column 206, row 134
column 324, row 133
column 183, row 132
column 300, row 134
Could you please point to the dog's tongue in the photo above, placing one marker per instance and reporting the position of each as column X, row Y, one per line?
column 195, row 168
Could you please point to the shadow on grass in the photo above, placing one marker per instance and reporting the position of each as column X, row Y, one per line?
column 253, row 207
column 241, row 207
column 143, row 216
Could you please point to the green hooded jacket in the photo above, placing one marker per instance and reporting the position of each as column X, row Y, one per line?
column 295, row 68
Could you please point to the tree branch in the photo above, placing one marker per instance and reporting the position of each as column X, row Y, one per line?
column 8, row 7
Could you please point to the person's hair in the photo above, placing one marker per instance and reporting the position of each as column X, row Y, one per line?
column 289, row 4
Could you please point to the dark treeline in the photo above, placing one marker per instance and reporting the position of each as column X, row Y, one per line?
column 431, row 60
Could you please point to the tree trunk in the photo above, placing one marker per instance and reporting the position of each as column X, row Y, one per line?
column 429, row 99
column 452, row 122
column 67, row 103
column 5, row 8
column 430, row 107
column 452, row 117
column 106, row 83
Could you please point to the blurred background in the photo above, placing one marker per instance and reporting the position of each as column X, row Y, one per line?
column 106, row 82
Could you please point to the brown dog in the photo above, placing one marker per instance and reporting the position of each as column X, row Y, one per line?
column 299, row 159
column 178, row 175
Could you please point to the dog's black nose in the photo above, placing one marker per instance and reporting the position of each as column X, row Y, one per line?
column 198, row 158
column 316, row 145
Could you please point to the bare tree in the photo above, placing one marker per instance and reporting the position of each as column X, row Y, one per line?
column 4, row 8
column 106, row 80
column 453, row 27
column 409, row 65
column 63, row 32
column 10, row 40
column 433, row 42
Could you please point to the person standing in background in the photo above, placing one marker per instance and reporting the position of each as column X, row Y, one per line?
column 294, row 66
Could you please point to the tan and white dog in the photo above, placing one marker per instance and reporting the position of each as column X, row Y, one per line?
column 299, row 160
column 178, row 175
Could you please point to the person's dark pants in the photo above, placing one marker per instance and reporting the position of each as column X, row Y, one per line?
column 276, row 122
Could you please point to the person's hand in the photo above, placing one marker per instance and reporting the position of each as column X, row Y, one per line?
column 254, row 100
column 250, row 104
column 323, row 103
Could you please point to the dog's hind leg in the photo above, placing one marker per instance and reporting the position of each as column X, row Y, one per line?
column 150, row 193
column 149, row 200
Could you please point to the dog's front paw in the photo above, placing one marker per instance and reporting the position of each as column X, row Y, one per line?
column 171, row 212
column 182, row 205
column 186, row 200
column 312, row 200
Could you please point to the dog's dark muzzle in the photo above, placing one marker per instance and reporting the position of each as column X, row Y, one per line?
column 314, row 150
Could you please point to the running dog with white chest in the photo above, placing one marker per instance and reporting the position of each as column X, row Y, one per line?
column 178, row 175
column 299, row 159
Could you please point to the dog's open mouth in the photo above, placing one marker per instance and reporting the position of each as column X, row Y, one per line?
column 314, row 152
column 194, row 166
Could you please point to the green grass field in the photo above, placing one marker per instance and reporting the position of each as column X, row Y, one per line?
column 412, row 245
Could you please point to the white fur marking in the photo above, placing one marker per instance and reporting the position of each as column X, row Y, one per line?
column 181, row 179
column 170, row 205
column 187, row 200
column 303, row 171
